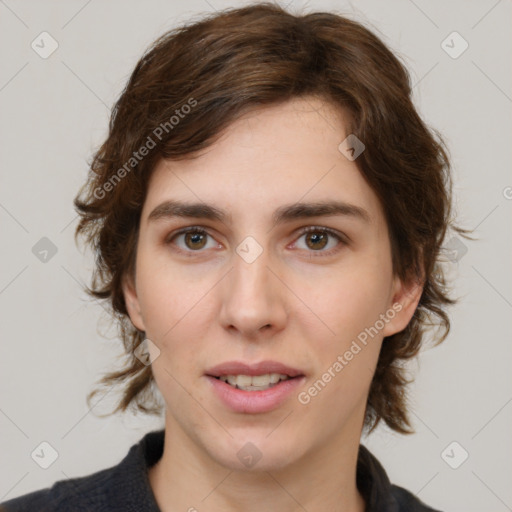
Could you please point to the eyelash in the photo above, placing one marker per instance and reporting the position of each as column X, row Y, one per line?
column 309, row 229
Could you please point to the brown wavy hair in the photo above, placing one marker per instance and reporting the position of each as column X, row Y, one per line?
column 197, row 79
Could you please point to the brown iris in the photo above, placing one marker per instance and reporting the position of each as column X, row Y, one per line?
column 317, row 238
column 198, row 240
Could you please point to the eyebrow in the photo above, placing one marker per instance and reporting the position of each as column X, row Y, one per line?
column 295, row 211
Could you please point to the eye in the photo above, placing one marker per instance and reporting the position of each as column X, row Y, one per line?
column 318, row 238
column 193, row 238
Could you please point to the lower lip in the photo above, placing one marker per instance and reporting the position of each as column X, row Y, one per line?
column 253, row 402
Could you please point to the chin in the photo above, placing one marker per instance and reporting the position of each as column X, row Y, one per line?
column 255, row 452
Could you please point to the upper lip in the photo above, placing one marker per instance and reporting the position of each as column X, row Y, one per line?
column 252, row 369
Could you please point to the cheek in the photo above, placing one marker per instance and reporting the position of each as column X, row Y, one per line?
column 177, row 311
column 346, row 360
column 350, row 301
column 171, row 298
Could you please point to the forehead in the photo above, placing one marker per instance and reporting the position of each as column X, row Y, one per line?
column 268, row 158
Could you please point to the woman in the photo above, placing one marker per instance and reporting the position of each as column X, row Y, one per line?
column 267, row 210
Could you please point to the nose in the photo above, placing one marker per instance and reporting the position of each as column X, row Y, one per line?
column 253, row 299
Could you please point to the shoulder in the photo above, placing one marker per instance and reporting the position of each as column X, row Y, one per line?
column 84, row 494
column 408, row 502
column 124, row 487
column 380, row 494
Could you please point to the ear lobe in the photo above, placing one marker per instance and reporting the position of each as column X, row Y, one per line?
column 132, row 303
column 404, row 303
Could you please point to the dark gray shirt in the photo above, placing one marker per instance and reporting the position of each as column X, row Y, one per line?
column 125, row 487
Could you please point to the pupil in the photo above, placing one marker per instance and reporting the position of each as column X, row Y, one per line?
column 195, row 238
column 318, row 238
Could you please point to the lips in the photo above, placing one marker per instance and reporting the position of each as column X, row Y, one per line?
column 261, row 368
column 251, row 400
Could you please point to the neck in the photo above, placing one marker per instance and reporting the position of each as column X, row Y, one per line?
column 187, row 478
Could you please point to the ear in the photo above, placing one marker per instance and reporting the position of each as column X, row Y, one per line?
column 405, row 298
column 132, row 303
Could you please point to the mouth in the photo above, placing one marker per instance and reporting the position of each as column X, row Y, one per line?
column 255, row 382
column 254, row 388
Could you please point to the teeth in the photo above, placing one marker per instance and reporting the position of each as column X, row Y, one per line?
column 254, row 383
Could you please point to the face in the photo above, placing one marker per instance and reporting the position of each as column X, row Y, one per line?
column 268, row 254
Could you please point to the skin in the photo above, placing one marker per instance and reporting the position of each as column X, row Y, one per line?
column 301, row 302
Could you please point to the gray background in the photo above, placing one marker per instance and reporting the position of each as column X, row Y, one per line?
column 54, row 113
